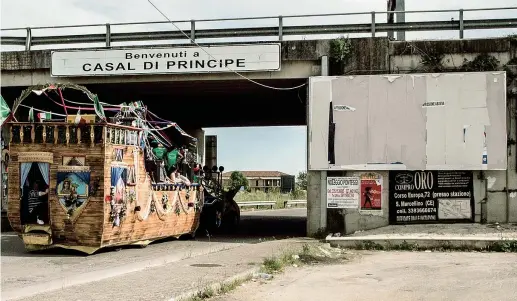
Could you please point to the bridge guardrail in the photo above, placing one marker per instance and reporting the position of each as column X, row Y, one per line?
column 287, row 204
column 279, row 31
column 257, row 204
column 294, row 202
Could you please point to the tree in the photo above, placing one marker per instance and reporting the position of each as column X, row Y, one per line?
column 237, row 180
column 301, row 180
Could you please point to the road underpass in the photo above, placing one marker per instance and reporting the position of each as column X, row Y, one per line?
column 195, row 104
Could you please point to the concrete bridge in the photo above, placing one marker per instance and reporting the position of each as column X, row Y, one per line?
column 215, row 98
column 218, row 95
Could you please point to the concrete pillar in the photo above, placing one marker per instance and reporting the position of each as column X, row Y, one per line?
column 316, row 181
column 316, row 202
column 325, row 65
column 200, row 136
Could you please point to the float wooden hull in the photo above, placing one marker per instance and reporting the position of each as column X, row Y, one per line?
column 134, row 212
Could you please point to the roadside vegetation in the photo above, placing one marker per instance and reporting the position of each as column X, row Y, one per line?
column 309, row 254
column 501, row 246
column 274, row 194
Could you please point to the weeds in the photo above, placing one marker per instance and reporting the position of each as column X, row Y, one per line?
column 224, row 288
column 203, row 295
column 308, row 255
column 320, row 234
column 272, row 265
column 276, row 264
column 502, row 246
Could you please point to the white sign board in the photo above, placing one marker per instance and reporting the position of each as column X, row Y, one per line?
column 240, row 58
column 343, row 192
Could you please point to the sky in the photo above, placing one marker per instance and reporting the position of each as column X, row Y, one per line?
column 278, row 148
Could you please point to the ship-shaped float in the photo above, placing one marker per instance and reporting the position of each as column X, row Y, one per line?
column 87, row 182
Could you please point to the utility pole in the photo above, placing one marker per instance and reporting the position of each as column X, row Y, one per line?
column 391, row 17
column 398, row 6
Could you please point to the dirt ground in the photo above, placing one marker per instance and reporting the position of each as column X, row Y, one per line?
column 393, row 276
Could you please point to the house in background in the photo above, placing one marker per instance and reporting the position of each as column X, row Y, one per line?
column 265, row 180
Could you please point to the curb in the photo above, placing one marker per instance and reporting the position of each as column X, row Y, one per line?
column 421, row 242
column 215, row 286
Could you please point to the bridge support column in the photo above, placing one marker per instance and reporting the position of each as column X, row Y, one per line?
column 316, row 182
column 316, row 202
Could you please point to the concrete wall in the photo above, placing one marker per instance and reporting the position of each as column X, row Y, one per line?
column 300, row 59
column 406, row 56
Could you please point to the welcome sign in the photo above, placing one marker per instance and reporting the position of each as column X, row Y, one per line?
column 240, row 58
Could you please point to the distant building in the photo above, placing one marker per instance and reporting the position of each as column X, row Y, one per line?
column 265, row 180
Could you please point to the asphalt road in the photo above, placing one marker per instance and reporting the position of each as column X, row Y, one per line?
column 394, row 276
column 22, row 271
column 281, row 223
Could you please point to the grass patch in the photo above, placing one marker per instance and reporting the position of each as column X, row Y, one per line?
column 501, row 246
column 203, row 295
column 224, row 288
column 272, row 265
column 308, row 254
column 228, row 287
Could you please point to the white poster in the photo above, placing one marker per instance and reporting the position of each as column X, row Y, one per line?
column 240, row 58
column 343, row 192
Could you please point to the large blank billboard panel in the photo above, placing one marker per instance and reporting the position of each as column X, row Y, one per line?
column 444, row 121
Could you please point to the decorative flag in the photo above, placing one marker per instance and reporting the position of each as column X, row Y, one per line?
column 99, row 110
column 39, row 92
column 4, row 110
column 78, row 117
column 44, row 116
column 31, row 114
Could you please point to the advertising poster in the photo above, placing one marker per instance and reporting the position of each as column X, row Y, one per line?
column 343, row 192
column 371, row 191
column 430, row 196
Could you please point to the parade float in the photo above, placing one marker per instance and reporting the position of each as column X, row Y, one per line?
column 91, row 181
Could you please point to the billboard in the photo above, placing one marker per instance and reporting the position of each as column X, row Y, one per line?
column 444, row 121
column 431, row 196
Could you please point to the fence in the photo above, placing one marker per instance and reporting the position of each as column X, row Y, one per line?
column 224, row 35
column 271, row 204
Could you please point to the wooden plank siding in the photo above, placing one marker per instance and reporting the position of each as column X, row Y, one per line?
column 87, row 228
column 92, row 226
column 133, row 229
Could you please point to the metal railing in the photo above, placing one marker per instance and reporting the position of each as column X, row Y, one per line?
column 271, row 204
column 257, row 204
column 279, row 31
